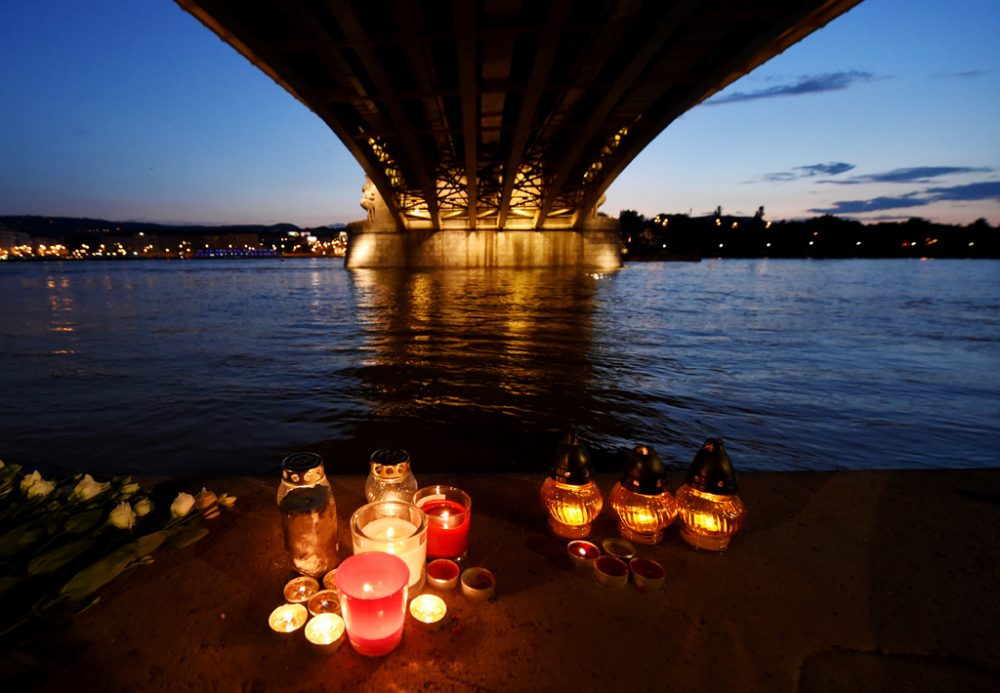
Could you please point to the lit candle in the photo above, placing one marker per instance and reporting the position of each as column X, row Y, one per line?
column 583, row 554
column 373, row 599
column 330, row 580
column 478, row 583
column 287, row 618
column 428, row 610
column 299, row 589
column 442, row 574
column 395, row 528
column 449, row 512
column 323, row 602
column 326, row 631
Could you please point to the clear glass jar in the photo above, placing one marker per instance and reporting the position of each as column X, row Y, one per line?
column 642, row 517
column 571, row 507
column 709, row 520
column 308, row 514
column 390, row 478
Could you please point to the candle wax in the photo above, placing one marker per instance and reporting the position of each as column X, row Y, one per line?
column 400, row 533
column 447, row 528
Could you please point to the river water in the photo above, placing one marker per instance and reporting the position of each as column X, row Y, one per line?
column 219, row 366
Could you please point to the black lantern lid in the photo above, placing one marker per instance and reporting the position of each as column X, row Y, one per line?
column 390, row 464
column 572, row 463
column 645, row 472
column 302, row 468
column 712, row 470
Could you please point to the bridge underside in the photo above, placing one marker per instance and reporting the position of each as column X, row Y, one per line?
column 503, row 114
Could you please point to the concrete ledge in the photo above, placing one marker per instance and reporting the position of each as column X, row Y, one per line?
column 840, row 581
column 596, row 249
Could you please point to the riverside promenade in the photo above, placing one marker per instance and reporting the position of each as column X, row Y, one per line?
column 861, row 581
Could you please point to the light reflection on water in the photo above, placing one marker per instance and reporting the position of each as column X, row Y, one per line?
column 222, row 366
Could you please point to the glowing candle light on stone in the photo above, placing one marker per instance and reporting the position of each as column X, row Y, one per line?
column 428, row 610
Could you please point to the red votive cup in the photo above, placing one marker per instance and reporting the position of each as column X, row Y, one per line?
column 449, row 511
column 373, row 600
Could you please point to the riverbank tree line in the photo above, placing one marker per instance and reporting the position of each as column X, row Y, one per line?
column 681, row 237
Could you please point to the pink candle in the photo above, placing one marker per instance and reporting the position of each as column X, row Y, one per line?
column 373, row 600
column 449, row 512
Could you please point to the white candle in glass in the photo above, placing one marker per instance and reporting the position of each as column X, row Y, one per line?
column 396, row 536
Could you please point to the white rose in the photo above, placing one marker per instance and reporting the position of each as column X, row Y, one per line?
column 122, row 517
column 34, row 486
column 182, row 505
column 227, row 501
column 143, row 507
column 88, row 488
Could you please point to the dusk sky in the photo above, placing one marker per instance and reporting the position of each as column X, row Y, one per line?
column 132, row 110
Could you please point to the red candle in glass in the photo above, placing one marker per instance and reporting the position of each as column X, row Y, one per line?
column 373, row 600
column 449, row 512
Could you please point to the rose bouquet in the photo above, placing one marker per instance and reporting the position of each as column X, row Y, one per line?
column 62, row 540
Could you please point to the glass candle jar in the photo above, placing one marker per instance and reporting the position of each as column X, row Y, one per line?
column 391, row 477
column 641, row 499
column 373, row 600
column 711, row 512
column 308, row 514
column 395, row 528
column 569, row 494
column 449, row 514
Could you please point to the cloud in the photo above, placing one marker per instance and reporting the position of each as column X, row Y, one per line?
column 966, row 74
column 812, row 170
column 971, row 192
column 916, row 174
column 807, row 84
column 986, row 190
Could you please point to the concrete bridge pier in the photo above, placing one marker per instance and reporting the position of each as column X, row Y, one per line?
column 377, row 242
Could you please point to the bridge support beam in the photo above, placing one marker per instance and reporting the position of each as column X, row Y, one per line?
column 596, row 249
column 379, row 242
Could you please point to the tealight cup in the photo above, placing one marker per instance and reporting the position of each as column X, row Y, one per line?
column 323, row 602
column 478, row 583
column 326, row 632
column 287, row 618
column 442, row 574
column 330, row 580
column 647, row 574
column 611, row 571
column 299, row 589
column 619, row 548
column 583, row 554
column 428, row 611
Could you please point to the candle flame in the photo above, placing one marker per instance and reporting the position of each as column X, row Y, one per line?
column 367, row 588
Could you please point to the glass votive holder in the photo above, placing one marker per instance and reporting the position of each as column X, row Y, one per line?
column 395, row 528
column 298, row 590
column 442, row 574
column 287, row 618
column 323, row 602
column 583, row 554
column 449, row 514
column 373, row 601
column 325, row 632
column 428, row 611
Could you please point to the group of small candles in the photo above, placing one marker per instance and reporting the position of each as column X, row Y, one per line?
column 367, row 595
column 616, row 564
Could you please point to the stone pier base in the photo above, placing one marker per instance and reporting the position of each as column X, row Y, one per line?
column 597, row 248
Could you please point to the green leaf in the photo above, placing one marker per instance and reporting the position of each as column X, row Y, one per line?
column 18, row 539
column 84, row 522
column 187, row 536
column 97, row 575
column 54, row 559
